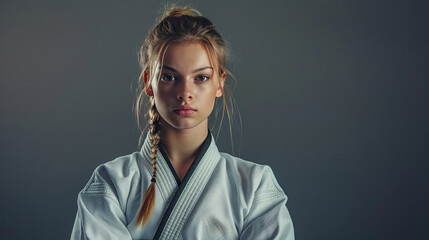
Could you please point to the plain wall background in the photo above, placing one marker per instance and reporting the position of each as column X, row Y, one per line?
column 333, row 96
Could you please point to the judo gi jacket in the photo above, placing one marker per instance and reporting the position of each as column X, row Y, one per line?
column 220, row 197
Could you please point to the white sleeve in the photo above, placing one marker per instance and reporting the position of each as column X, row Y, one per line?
column 99, row 215
column 268, row 217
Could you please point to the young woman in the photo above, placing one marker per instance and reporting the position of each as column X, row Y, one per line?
column 179, row 186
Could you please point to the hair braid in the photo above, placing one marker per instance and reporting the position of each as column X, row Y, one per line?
column 149, row 197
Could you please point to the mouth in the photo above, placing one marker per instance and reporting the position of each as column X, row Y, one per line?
column 185, row 107
column 185, row 110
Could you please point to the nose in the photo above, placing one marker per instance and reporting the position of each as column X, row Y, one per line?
column 185, row 91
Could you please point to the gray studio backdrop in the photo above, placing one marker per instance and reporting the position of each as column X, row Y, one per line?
column 332, row 95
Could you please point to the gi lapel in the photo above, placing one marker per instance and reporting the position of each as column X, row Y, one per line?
column 189, row 191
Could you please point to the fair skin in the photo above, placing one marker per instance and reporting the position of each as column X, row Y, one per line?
column 188, row 80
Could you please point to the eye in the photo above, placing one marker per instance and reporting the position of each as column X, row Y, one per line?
column 167, row 78
column 203, row 78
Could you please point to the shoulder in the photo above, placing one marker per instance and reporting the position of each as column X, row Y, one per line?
column 118, row 168
column 108, row 178
column 256, row 180
column 243, row 167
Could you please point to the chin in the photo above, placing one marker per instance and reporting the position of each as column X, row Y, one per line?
column 182, row 123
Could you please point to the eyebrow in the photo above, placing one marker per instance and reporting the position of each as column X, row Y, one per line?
column 196, row 70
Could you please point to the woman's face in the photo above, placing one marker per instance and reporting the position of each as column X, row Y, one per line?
column 186, row 91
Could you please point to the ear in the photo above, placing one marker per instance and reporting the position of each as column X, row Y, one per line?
column 222, row 82
column 147, row 88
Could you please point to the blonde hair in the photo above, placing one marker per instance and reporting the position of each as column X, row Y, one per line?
column 176, row 25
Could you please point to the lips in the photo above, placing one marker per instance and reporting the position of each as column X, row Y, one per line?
column 185, row 110
column 185, row 107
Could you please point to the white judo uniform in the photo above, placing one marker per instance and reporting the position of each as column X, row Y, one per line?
column 221, row 197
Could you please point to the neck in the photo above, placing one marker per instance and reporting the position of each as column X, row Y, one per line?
column 182, row 145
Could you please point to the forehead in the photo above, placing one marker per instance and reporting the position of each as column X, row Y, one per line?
column 187, row 56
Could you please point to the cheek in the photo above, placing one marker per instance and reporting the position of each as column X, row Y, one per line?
column 161, row 96
column 206, row 91
column 161, row 92
column 208, row 95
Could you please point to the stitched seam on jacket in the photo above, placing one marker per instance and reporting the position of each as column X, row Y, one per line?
column 269, row 171
column 268, row 195
column 101, row 189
